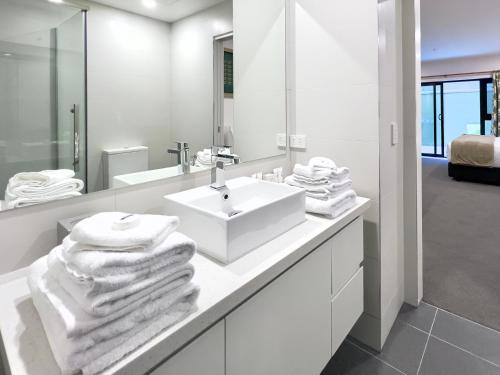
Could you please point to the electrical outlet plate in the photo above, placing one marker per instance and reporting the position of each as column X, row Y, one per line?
column 281, row 139
column 298, row 141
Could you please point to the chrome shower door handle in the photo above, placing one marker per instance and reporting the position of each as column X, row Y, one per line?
column 75, row 110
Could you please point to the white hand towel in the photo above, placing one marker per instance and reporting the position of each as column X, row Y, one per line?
column 99, row 230
column 322, row 162
column 311, row 181
column 324, row 189
column 42, row 178
column 91, row 264
column 311, row 172
column 332, row 207
column 13, row 202
column 73, row 354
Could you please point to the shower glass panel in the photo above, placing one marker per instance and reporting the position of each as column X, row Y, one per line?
column 42, row 79
column 71, row 111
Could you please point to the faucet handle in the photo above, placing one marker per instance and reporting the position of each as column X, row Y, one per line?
column 181, row 145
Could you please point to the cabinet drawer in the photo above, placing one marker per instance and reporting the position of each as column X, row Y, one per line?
column 347, row 307
column 347, row 247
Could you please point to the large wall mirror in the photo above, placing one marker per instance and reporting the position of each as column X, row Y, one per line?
column 106, row 94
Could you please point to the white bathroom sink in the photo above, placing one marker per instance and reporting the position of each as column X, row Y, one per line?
column 151, row 175
column 261, row 211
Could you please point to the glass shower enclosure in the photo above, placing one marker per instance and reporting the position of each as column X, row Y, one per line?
column 42, row 88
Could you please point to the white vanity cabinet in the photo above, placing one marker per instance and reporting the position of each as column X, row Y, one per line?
column 205, row 355
column 296, row 323
column 285, row 329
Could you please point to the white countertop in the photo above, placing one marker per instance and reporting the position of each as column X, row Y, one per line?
column 223, row 288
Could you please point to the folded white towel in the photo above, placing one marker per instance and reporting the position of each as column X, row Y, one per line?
column 14, row 202
column 77, row 322
column 75, row 353
column 332, row 207
column 323, row 189
column 106, row 303
column 91, row 285
column 101, row 230
column 322, row 162
column 40, row 179
column 310, row 172
column 58, row 188
column 91, row 264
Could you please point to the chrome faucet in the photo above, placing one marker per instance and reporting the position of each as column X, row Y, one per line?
column 218, row 181
column 182, row 152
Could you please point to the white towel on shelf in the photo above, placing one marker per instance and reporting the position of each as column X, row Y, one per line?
column 311, row 172
column 40, row 179
column 333, row 207
column 105, row 345
column 100, row 230
column 90, row 264
column 204, row 157
column 14, row 202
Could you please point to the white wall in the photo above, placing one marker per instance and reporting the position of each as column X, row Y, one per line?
column 391, row 164
column 487, row 63
column 128, row 87
column 192, row 74
column 259, row 77
column 337, row 108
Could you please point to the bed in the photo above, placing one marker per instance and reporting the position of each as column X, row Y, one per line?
column 482, row 174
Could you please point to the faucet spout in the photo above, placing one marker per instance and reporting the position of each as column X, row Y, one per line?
column 218, row 180
column 182, row 152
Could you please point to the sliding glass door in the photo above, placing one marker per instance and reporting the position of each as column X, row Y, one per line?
column 432, row 119
column 453, row 108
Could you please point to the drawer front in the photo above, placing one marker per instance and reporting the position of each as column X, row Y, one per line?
column 347, row 307
column 347, row 247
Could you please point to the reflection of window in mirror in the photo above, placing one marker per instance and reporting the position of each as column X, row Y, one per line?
column 223, row 90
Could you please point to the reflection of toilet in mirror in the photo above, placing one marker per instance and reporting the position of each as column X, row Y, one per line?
column 123, row 161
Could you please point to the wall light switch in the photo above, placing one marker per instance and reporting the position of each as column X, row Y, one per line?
column 281, row 139
column 394, row 133
column 298, row 141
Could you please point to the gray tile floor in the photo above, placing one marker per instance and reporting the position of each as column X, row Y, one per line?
column 424, row 341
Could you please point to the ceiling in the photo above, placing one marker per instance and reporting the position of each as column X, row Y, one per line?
column 459, row 28
column 165, row 10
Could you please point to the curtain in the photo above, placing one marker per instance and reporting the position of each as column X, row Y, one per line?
column 495, row 116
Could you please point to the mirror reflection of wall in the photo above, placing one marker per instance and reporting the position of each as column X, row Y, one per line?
column 105, row 89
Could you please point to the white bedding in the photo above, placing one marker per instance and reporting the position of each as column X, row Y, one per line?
column 496, row 160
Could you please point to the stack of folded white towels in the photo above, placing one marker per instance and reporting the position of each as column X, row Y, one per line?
column 29, row 188
column 328, row 188
column 204, row 157
column 115, row 282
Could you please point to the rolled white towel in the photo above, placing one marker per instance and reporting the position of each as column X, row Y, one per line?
column 333, row 207
column 15, row 202
column 42, row 178
column 74, row 353
column 322, row 162
column 102, row 230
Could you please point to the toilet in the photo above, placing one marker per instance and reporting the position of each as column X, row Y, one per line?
column 125, row 160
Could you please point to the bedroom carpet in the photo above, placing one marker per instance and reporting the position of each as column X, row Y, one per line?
column 461, row 244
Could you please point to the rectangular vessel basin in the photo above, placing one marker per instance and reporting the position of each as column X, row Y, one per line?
column 264, row 210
